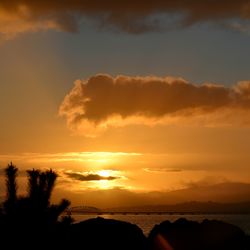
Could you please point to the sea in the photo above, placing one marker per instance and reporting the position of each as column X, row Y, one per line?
column 147, row 221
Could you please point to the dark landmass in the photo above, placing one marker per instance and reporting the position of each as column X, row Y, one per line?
column 186, row 207
column 110, row 234
column 191, row 235
column 83, row 210
column 93, row 234
column 99, row 233
column 222, row 193
column 229, row 192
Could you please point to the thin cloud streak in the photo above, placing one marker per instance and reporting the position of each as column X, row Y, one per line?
column 65, row 157
column 163, row 170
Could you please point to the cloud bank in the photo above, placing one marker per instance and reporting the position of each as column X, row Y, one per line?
column 135, row 16
column 103, row 101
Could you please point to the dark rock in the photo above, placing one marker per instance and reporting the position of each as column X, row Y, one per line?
column 102, row 233
column 92, row 234
column 189, row 235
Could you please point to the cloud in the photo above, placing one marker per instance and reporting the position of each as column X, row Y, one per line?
column 163, row 170
column 239, row 26
column 103, row 101
column 206, row 181
column 89, row 177
column 39, row 159
column 130, row 16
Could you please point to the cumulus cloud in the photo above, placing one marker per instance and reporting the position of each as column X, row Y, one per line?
column 103, row 101
column 130, row 16
column 89, row 177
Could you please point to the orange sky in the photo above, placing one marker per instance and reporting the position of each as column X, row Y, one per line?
column 92, row 95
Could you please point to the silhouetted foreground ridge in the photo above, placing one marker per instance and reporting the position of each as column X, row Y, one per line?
column 32, row 222
column 191, row 235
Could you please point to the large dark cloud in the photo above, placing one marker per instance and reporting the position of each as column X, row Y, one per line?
column 102, row 100
column 90, row 177
column 131, row 16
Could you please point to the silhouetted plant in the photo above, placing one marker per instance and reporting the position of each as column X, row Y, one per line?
column 35, row 208
column 51, row 178
column 33, row 176
column 11, row 188
column 56, row 210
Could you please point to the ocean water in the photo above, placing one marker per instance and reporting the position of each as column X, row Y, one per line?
column 147, row 222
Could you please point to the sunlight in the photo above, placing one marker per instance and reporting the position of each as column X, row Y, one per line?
column 105, row 173
column 107, row 184
column 97, row 179
column 104, row 184
column 104, row 158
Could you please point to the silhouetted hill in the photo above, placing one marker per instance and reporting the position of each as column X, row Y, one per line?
column 222, row 193
column 190, row 235
column 84, row 209
column 99, row 233
column 189, row 207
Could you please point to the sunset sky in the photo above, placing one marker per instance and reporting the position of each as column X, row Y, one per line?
column 127, row 100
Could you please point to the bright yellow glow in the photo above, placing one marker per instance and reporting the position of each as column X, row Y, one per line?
column 104, row 184
column 105, row 173
column 104, row 158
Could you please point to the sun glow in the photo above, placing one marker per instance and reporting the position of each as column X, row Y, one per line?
column 104, row 184
column 105, row 173
column 108, row 183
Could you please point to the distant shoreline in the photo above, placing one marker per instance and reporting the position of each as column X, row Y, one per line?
column 157, row 213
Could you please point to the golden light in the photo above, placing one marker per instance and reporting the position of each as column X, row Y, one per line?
column 104, row 184
column 103, row 158
column 105, row 173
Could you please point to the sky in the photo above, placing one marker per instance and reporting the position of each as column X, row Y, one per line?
column 128, row 101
